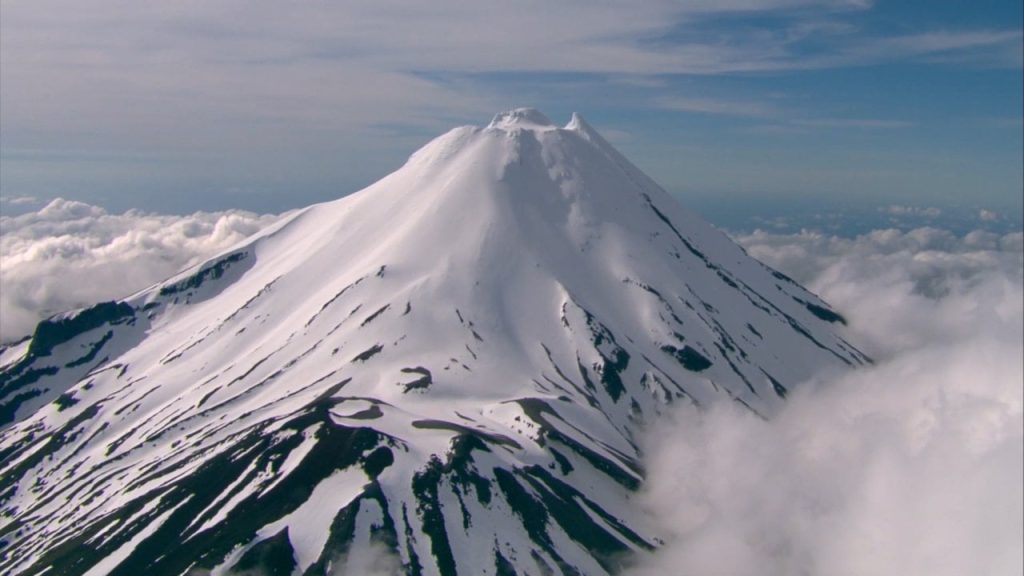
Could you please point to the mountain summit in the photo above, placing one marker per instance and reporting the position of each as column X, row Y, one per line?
column 452, row 365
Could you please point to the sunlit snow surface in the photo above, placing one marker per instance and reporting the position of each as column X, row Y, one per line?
column 453, row 363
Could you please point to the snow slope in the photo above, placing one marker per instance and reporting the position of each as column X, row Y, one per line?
column 453, row 363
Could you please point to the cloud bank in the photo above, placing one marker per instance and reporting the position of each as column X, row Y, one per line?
column 70, row 254
column 913, row 466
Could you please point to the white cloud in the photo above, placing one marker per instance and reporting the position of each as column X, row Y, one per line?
column 897, row 210
column 70, row 254
column 903, row 287
column 987, row 215
column 913, row 466
column 19, row 200
column 373, row 559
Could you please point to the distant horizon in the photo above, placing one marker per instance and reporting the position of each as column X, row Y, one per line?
column 734, row 214
column 181, row 198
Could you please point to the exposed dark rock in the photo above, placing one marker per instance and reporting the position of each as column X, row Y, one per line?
column 58, row 330
column 367, row 354
column 209, row 272
column 825, row 314
column 421, row 383
column 688, row 357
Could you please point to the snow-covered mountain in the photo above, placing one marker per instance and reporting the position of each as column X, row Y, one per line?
column 453, row 364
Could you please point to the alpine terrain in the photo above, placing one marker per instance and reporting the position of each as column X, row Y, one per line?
column 451, row 366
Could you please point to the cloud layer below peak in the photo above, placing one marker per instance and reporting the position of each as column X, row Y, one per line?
column 71, row 254
column 913, row 466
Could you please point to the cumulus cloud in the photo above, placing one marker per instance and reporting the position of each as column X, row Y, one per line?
column 987, row 215
column 905, row 290
column 913, row 466
column 69, row 254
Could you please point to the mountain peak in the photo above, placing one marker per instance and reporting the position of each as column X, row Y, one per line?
column 521, row 118
column 578, row 124
column 453, row 364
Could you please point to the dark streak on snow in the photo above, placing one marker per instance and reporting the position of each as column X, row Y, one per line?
column 368, row 353
column 422, row 383
column 374, row 316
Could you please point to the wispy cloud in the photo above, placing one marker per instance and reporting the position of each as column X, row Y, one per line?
column 1013, row 122
column 941, row 42
column 231, row 90
column 717, row 107
column 19, row 200
column 783, row 119
column 898, row 210
column 200, row 60
column 865, row 123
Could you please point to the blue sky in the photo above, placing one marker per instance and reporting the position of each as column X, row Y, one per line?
column 266, row 106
